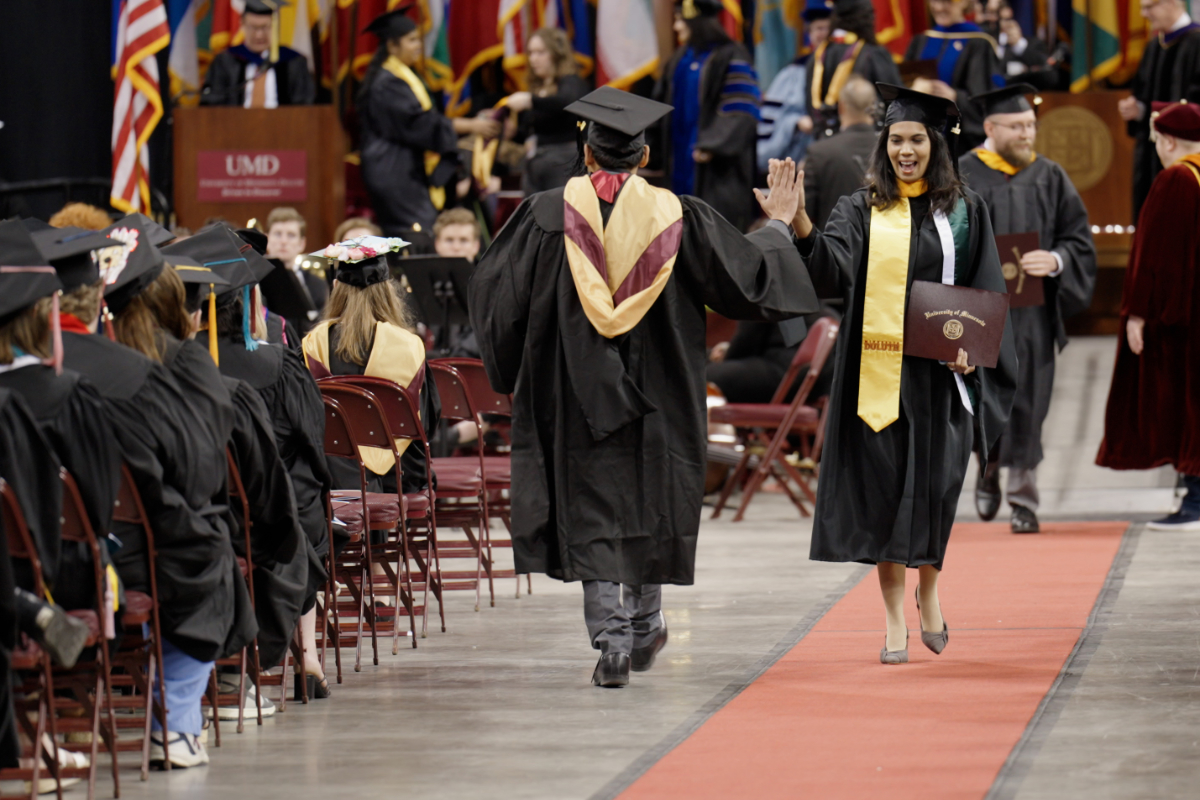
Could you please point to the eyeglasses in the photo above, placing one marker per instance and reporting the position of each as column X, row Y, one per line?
column 1019, row 127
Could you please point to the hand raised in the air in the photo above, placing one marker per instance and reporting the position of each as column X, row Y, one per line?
column 786, row 186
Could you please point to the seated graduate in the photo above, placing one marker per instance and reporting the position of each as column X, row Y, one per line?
column 286, row 388
column 178, row 469
column 368, row 330
column 590, row 307
column 900, row 428
column 749, row 367
column 67, row 407
column 259, row 72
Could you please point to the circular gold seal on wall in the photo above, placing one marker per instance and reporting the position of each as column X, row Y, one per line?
column 1079, row 140
column 953, row 329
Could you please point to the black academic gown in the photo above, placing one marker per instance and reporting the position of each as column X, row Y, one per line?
column 725, row 182
column 1169, row 72
column 283, row 556
column 298, row 418
column 973, row 74
column 396, row 134
column 10, row 744
column 225, row 82
column 1038, row 198
column 891, row 495
column 180, row 473
column 71, row 416
column 874, row 63
column 608, row 453
column 29, row 466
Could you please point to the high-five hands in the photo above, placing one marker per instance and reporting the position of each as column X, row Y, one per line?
column 786, row 186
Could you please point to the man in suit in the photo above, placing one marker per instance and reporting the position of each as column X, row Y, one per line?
column 251, row 75
column 835, row 166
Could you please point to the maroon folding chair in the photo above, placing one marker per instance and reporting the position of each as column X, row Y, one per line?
column 757, row 421
column 33, row 693
column 497, row 467
column 139, row 658
column 89, row 681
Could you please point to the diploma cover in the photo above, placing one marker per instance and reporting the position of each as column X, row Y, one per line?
column 1023, row 290
column 942, row 318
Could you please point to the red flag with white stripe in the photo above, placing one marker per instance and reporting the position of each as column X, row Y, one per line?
column 142, row 31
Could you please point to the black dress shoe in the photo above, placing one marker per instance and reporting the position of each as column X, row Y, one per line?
column 987, row 496
column 612, row 671
column 643, row 657
column 1024, row 520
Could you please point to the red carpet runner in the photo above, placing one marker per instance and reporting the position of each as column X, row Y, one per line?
column 829, row 721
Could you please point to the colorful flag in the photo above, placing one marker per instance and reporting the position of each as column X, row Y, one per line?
column 732, row 20
column 515, row 20
column 184, row 61
column 775, row 23
column 141, row 30
column 626, row 42
column 433, row 16
column 296, row 21
column 572, row 17
column 473, row 42
column 1107, row 38
column 897, row 21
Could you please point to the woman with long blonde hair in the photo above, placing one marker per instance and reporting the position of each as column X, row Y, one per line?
column 368, row 330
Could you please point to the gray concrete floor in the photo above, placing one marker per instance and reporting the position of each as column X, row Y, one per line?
column 500, row 706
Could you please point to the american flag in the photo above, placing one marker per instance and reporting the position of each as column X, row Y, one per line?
column 141, row 31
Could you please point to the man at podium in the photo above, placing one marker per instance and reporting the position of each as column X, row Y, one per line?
column 259, row 73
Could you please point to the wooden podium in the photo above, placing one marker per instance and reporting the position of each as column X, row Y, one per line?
column 239, row 163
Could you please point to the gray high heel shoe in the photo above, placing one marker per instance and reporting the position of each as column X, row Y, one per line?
column 934, row 641
column 894, row 656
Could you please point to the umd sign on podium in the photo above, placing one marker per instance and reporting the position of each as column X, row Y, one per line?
column 239, row 176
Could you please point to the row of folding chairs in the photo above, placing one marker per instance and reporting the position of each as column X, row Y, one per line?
column 110, row 689
column 408, row 548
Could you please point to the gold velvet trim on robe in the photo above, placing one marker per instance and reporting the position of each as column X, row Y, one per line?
column 396, row 355
column 619, row 271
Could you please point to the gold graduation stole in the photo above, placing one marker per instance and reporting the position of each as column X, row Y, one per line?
column 842, row 74
column 883, row 310
column 818, row 76
column 996, row 161
column 396, row 355
column 619, row 271
column 1192, row 162
column 398, row 68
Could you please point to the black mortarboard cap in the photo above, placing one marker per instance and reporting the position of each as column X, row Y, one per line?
column 21, row 289
column 907, row 105
column 364, row 273
column 264, row 6
column 700, row 8
column 816, row 9
column 33, row 224
column 157, row 233
column 255, row 238
column 623, row 112
column 192, row 272
column 218, row 248
column 392, row 25
column 1009, row 100
column 128, row 268
column 69, row 250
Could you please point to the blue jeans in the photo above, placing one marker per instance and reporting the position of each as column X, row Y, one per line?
column 187, row 680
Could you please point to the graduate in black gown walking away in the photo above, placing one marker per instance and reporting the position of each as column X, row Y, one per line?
column 1028, row 193
column 900, row 428
column 589, row 307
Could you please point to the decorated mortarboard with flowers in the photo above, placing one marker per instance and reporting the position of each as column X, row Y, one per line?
column 363, row 262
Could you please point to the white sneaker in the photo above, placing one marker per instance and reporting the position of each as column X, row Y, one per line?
column 250, row 711
column 48, row 786
column 186, row 750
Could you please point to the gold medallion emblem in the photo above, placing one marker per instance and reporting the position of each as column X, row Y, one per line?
column 1010, row 271
column 1079, row 140
column 953, row 329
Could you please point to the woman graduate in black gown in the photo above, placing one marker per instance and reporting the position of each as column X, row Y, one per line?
column 409, row 148
column 900, row 428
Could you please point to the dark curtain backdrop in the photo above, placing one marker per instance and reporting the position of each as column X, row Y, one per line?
column 56, row 97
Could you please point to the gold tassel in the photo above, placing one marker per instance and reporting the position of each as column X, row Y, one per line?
column 212, row 324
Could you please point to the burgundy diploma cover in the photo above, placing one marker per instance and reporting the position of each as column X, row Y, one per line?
column 942, row 318
column 1023, row 290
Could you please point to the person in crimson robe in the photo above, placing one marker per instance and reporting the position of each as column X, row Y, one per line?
column 1027, row 192
column 1169, row 72
column 251, row 75
column 1153, row 414
column 900, row 427
column 590, row 308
